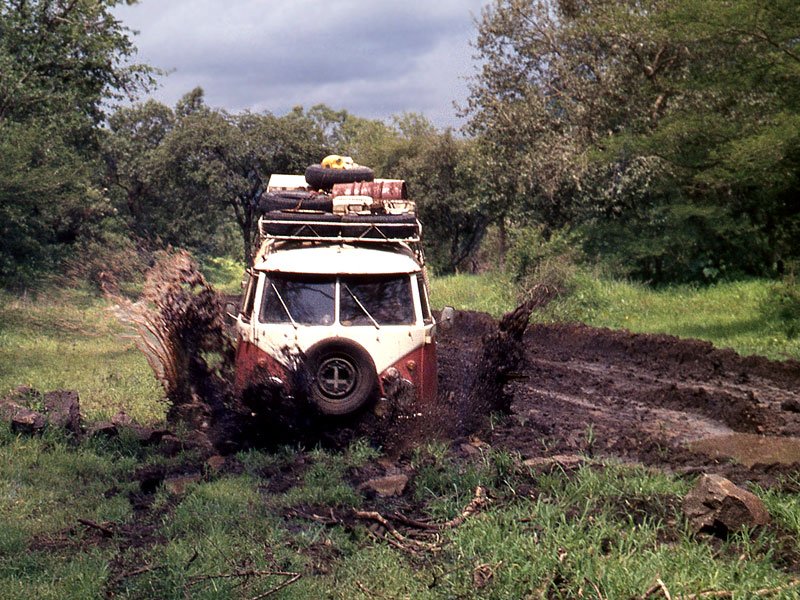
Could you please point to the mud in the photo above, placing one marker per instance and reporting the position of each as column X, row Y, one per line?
column 655, row 399
column 545, row 389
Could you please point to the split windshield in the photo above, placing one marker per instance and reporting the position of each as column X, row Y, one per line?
column 310, row 300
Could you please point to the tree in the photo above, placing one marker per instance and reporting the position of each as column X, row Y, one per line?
column 220, row 161
column 59, row 63
column 673, row 117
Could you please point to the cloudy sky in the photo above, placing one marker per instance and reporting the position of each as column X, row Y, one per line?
column 374, row 58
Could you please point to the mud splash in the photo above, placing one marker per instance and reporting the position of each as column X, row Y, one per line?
column 181, row 332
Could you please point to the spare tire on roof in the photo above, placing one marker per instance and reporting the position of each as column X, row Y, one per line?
column 295, row 200
column 321, row 178
column 301, row 224
column 376, row 227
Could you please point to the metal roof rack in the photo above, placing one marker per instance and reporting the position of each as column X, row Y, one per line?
column 325, row 227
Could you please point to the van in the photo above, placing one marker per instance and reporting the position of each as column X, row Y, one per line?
column 335, row 308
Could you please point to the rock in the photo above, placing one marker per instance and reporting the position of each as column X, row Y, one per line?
column 150, row 435
column 63, row 409
column 170, row 444
column 177, row 485
column 103, row 429
column 216, row 463
column 791, row 405
column 390, row 485
column 715, row 504
column 565, row 461
column 122, row 419
column 21, row 419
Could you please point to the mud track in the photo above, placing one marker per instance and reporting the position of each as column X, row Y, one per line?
column 655, row 399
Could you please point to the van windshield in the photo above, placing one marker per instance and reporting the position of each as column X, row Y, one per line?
column 300, row 299
column 386, row 299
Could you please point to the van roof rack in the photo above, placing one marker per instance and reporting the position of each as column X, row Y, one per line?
column 327, row 227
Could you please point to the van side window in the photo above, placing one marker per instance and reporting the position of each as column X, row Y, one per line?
column 249, row 297
column 423, row 298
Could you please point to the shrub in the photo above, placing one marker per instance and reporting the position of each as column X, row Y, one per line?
column 783, row 304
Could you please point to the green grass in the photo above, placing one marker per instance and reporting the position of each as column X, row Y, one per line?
column 70, row 339
column 604, row 530
column 225, row 274
column 729, row 314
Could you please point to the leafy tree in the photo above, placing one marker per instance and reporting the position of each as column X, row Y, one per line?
column 665, row 129
column 215, row 161
column 60, row 62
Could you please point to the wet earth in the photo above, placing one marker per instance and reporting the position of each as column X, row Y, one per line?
column 678, row 404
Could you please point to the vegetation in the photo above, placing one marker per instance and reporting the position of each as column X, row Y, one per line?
column 604, row 529
column 664, row 131
column 749, row 316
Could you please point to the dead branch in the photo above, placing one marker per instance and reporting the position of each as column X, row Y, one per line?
column 476, row 504
column 658, row 586
column 294, row 577
column 106, row 531
column 406, row 543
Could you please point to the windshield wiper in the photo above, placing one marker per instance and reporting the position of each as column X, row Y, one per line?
column 286, row 308
column 361, row 306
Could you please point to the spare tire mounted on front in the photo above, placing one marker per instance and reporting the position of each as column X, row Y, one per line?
column 341, row 376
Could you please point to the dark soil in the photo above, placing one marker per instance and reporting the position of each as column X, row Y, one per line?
column 643, row 398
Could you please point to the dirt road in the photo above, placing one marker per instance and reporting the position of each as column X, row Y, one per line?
column 656, row 399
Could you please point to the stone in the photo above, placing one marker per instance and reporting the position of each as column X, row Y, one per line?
column 21, row 418
column 177, row 485
column 122, row 419
column 216, row 463
column 717, row 505
column 791, row 405
column 63, row 410
column 103, row 429
column 390, row 485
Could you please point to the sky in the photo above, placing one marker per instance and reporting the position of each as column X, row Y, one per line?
column 373, row 58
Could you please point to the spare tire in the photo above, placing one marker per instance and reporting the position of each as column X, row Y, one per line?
column 320, row 178
column 380, row 226
column 306, row 224
column 341, row 376
column 295, row 200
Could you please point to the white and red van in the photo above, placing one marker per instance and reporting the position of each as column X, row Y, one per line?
column 338, row 292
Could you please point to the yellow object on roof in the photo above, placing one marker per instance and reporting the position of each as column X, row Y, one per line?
column 334, row 161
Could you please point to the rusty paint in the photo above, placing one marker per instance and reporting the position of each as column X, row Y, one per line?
column 380, row 189
column 419, row 367
column 253, row 364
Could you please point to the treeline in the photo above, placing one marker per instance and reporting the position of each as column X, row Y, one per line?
column 658, row 137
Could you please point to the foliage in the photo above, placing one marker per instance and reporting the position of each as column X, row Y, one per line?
column 183, row 173
column 783, row 304
column 665, row 131
column 59, row 63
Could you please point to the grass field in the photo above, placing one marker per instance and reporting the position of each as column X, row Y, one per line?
column 729, row 314
column 73, row 525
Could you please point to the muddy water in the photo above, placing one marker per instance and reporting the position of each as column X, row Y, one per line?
column 750, row 449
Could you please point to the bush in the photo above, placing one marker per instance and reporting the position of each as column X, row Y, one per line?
column 534, row 260
column 783, row 304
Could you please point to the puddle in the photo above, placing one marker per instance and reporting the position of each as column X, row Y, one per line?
column 750, row 449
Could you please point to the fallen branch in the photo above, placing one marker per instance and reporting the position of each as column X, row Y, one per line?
column 478, row 502
column 658, row 586
column 106, row 531
column 246, row 574
column 294, row 577
column 404, row 542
